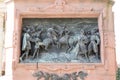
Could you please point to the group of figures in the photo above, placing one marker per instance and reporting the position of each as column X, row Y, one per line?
column 52, row 76
column 36, row 40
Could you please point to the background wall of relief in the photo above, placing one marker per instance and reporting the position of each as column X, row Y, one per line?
column 60, row 40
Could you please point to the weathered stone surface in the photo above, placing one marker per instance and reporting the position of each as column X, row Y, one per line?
column 1, row 40
column 101, row 9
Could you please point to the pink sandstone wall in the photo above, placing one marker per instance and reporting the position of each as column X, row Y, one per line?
column 18, row 9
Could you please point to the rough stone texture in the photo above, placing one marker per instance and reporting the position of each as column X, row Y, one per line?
column 102, row 9
column 2, row 26
column 2, row 16
column 1, row 40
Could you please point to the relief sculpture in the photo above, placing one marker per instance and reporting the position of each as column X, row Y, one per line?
column 52, row 76
column 60, row 40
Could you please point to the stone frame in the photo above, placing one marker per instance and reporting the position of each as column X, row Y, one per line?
column 91, row 14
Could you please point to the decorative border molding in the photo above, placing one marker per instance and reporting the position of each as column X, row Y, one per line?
column 15, row 35
column 66, row 76
column 61, row 6
column 105, row 39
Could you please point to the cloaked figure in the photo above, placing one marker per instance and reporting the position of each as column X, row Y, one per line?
column 94, row 42
column 26, row 45
column 52, row 34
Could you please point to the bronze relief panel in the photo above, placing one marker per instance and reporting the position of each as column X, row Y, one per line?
column 60, row 40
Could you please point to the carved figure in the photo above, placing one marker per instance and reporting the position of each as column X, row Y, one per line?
column 82, row 75
column 39, row 75
column 51, row 38
column 63, row 31
column 66, row 77
column 75, row 51
column 38, row 43
column 72, row 41
column 47, row 42
column 82, row 41
column 54, row 77
column 37, row 33
column 63, row 40
column 46, row 76
column 94, row 42
column 52, row 34
column 26, row 45
column 74, row 76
